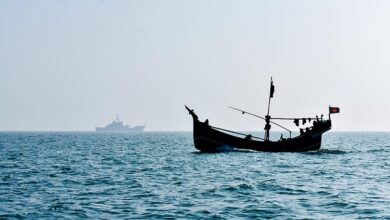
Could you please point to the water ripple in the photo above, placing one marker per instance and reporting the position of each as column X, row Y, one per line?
column 161, row 175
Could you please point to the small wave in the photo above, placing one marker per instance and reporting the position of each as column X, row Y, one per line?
column 57, row 206
column 242, row 186
column 379, row 149
column 65, row 169
column 329, row 151
column 323, row 193
column 245, row 186
column 12, row 216
column 225, row 149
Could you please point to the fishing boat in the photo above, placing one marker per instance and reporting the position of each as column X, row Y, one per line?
column 209, row 138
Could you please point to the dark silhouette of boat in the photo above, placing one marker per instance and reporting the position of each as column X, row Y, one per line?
column 208, row 138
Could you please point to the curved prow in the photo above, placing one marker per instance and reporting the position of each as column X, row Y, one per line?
column 191, row 112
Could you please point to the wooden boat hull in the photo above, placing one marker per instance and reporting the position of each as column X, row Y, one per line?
column 209, row 139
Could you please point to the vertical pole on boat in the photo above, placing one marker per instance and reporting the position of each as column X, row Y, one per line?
column 268, row 117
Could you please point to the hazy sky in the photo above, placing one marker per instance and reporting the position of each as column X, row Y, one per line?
column 74, row 65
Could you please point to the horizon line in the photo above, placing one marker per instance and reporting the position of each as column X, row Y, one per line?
column 174, row 131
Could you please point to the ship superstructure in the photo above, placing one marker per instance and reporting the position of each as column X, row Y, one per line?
column 118, row 126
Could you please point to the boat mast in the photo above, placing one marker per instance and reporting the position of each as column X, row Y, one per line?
column 268, row 117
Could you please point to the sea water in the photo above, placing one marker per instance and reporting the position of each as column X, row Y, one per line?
column 161, row 175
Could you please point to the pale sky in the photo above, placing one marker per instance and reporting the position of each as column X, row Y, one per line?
column 74, row 65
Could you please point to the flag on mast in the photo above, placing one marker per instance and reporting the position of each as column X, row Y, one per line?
column 272, row 89
column 333, row 110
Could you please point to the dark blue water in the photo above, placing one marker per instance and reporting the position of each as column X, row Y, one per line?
column 161, row 175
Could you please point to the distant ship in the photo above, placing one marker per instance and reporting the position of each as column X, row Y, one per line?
column 118, row 126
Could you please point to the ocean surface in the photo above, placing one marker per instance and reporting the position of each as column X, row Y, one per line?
column 156, row 175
